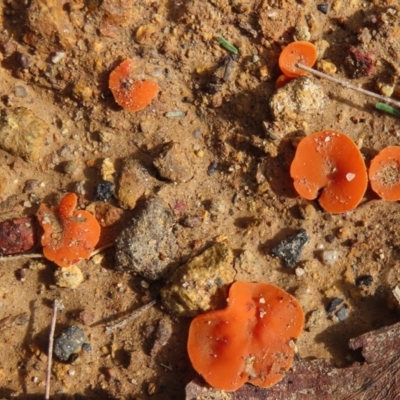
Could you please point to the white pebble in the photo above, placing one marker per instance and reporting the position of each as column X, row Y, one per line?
column 300, row 271
column 329, row 257
column 350, row 176
column 57, row 57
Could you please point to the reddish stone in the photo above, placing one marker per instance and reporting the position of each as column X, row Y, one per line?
column 17, row 235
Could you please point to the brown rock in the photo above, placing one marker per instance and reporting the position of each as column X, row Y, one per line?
column 134, row 182
column 49, row 26
column 147, row 246
column 201, row 284
column 173, row 164
column 23, row 134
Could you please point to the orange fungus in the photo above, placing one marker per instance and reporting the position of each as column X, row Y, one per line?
column 330, row 161
column 69, row 234
column 128, row 92
column 250, row 340
column 282, row 81
column 384, row 173
column 297, row 52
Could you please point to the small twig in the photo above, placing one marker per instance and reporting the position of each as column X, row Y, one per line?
column 21, row 257
column 388, row 109
column 29, row 256
column 347, row 85
column 102, row 248
column 166, row 366
column 57, row 305
column 134, row 315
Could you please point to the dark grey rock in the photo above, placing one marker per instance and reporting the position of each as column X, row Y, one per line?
column 333, row 304
column 290, row 249
column 364, row 280
column 148, row 246
column 71, row 341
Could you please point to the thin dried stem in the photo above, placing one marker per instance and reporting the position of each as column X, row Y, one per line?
column 134, row 315
column 348, row 85
column 102, row 248
column 29, row 256
column 21, row 257
column 57, row 305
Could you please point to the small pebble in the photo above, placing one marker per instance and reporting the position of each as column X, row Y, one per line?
column 104, row 191
column 69, row 342
column 300, row 271
column 175, row 114
column 57, row 57
column 212, row 168
column 342, row 313
column 20, row 91
column 364, row 280
column 333, row 304
column 329, row 257
column 324, row 8
column 70, row 277
column 290, row 249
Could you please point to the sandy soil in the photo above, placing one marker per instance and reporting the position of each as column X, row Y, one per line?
column 61, row 53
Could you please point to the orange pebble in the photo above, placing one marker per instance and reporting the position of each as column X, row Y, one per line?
column 297, row 52
column 330, row 161
column 131, row 94
column 384, row 173
column 69, row 234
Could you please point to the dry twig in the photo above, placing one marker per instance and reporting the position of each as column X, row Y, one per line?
column 134, row 315
column 58, row 305
column 347, row 85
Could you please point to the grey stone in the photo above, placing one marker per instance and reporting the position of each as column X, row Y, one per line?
column 70, row 342
column 290, row 249
column 148, row 246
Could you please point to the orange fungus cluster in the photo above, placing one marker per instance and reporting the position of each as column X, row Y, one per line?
column 69, row 234
column 249, row 341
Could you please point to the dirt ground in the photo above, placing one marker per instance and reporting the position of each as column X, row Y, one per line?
column 56, row 57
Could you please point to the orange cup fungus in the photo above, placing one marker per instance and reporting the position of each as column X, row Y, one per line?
column 330, row 161
column 131, row 94
column 282, row 81
column 297, row 52
column 384, row 173
column 250, row 340
column 69, row 234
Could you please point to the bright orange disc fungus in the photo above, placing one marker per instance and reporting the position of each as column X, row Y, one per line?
column 330, row 161
column 297, row 52
column 249, row 340
column 131, row 94
column 282, row 81
column 384, row 173
column 69, row 235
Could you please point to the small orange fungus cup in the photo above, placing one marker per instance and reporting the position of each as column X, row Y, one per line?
column 69, row 234
column 384, row 173
column 250, row 340
column 282, row 81
column 297, row 52
column 131, row 94
column 330, row 161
